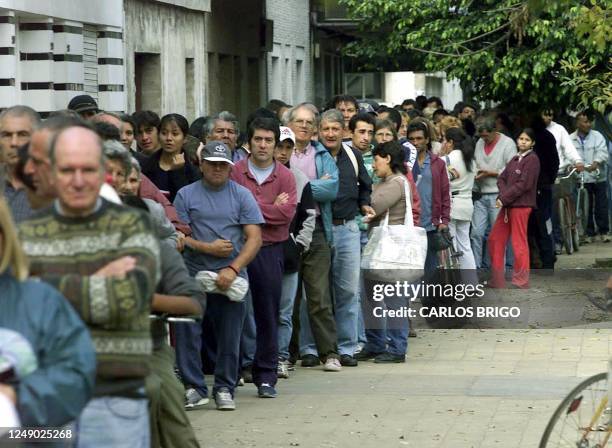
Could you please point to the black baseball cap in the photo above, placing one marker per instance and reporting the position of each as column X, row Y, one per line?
column 83, row 103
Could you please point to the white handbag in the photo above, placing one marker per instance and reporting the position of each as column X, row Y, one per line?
column 396, row 252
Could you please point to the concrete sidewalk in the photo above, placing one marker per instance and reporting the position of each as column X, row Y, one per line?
column 458, row 388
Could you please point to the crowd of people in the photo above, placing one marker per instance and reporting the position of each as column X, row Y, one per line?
column 248, row 239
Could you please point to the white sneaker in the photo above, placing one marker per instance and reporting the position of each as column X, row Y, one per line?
column 332, row 365
column 283, row 369
column 193, row 399
column 224, row 400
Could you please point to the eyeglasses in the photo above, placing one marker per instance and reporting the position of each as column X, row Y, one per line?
column 305, row 123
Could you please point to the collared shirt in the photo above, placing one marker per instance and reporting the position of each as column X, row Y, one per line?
column 523, row 154
column 425, row 187
column 278, row 217
column 353, row 191
column 305, row 161
column 17, row 201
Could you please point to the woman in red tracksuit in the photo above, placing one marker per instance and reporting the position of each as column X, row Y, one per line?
column 517, row 185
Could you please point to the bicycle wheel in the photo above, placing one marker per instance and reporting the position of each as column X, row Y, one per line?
column 566, row 226
column 569, row 425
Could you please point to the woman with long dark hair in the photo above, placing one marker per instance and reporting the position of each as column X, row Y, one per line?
column 387, row 343
column 458, row 153
column 169, row 168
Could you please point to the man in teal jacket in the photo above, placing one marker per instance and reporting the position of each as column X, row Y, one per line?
column 317, row 164
column 53, row 383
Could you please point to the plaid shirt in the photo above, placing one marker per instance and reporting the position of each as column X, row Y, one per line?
column 17, row 201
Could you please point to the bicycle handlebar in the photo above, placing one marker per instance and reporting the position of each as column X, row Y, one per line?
column 571, row 173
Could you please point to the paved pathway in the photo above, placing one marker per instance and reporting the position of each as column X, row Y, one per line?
column 458, row 389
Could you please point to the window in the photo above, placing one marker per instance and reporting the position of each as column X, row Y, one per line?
column 147, row 77
column 364, row 85
column 90, row 61
column 189, row 88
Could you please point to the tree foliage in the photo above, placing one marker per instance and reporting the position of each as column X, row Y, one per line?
column 519, row 52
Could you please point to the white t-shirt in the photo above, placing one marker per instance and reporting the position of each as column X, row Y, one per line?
column 461, row 187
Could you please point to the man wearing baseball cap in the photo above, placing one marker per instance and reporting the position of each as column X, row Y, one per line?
column 84, row 105
column 225, row 220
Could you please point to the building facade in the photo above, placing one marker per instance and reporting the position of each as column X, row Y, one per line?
column 51, row 51
column 289, row 62
column 166, row 56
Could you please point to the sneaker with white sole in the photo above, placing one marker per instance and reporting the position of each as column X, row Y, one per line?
column 332, row 365
column 283, row 369
column 224, row 400
column 193, row 399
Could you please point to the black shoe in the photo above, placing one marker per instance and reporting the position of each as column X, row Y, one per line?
column 348, row 361
column 389, row 358
column 310, row 361
column 366, row 355
column 412, row 333
column 247, row 374
column 266, row 391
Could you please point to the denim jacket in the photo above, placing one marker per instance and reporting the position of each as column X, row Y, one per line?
column 324, row 191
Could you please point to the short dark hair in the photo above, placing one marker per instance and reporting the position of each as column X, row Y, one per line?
column 276, row 105
column 437, row 100
column 440, row 111
column 416, row 126
column 196, row 129
column 343, row 99
column 395, row 150
column 146, row 118
column 261, row 112
column 128, row 119
column 180, row 121
column 588, row 114
column 394, row 116
column 107, row 131
column 421, row 102
column 361, row 116
column 267, row 124
column 409, row 102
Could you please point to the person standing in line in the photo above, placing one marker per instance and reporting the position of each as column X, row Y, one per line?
column 493, row 152
column 458, row 153
column 592, row 147
column 517, row 185
column 273, row 186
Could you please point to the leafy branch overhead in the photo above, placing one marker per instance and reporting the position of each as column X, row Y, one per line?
column 518, row 52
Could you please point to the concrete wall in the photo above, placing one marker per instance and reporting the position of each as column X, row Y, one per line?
column 178, row 36
column 289, row 65
column 236, row 67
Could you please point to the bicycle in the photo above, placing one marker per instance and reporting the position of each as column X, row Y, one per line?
column 572, row 219
column 584, row 417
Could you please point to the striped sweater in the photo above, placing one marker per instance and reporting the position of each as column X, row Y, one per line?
column 67, row 251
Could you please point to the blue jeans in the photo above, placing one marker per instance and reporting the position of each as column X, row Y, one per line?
column 484, row 217
column 285, row 313
column 114, row 421
column 345, row 270
column 385, row 334
column 226, row 318
column 361, row 335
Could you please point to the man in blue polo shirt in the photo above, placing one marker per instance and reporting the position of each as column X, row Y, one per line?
column 225, row 221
